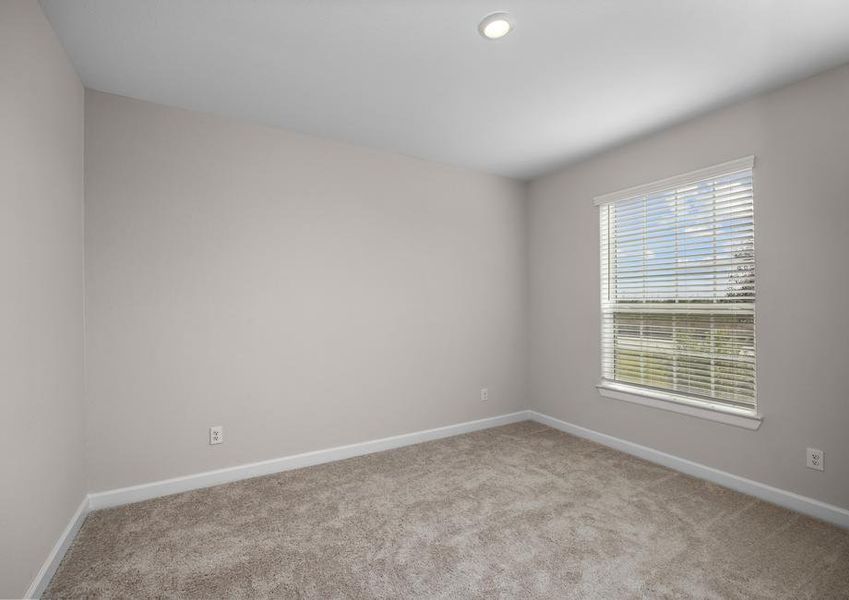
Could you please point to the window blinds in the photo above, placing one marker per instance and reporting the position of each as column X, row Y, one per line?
column 678, row 286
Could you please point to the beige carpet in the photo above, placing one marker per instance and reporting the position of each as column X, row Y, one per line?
column 521, row 511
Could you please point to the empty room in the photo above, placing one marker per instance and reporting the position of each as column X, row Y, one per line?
column 424, row 299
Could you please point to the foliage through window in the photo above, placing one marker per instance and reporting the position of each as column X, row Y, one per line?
column 678, row 287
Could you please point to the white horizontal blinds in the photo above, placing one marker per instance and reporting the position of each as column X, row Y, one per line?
column 678, row 287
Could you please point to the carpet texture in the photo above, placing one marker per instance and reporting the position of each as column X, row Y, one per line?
column 521, row 511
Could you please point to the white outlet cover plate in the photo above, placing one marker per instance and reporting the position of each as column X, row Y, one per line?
column 216, row 435
column 814, row 459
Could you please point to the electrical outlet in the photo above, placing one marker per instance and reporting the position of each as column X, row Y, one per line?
column 814, row 459
column 484, row 394
column 216, row 435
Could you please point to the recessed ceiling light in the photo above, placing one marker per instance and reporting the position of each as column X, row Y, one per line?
column 495, row 26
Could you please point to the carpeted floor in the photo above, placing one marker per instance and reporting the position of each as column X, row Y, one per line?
column 521, row 511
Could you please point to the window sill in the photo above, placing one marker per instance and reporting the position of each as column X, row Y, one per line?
column 695, row 408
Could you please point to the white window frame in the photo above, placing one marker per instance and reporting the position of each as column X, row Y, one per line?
column 669, row 400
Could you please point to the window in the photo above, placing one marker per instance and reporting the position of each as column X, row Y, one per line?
column 678, row 289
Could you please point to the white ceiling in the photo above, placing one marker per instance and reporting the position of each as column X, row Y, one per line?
column 415, row 77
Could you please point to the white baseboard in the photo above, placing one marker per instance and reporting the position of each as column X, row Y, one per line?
column 45, row 573
column 176, row 485
column 809, row 506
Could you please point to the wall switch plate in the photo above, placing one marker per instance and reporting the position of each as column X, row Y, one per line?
column 814, row 459
column 216, row 435
column 484, row 394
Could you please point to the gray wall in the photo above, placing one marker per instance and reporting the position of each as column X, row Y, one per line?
column 42, row 480
column 303, row 293
column 800, row 136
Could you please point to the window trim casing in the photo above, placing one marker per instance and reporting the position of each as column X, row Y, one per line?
column 740, row 164
column 681, row 403
column 668, row 400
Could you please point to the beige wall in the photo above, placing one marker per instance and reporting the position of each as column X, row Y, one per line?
column 41, row 303
column 800, row 136
column 300, row 292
